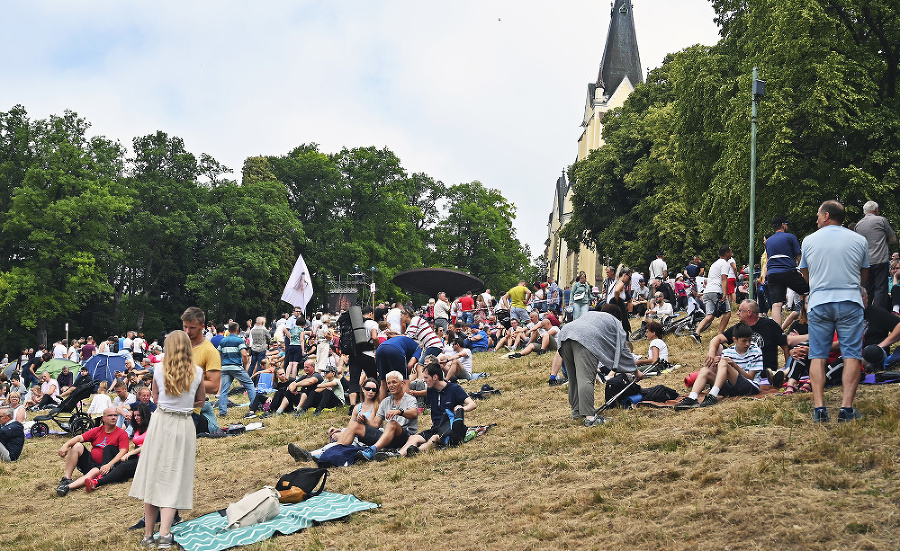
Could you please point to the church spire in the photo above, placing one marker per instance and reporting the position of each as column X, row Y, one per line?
column 620, row 56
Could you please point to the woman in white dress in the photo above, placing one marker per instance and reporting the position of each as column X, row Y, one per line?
column 165, row 472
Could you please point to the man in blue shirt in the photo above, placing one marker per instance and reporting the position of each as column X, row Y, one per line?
column 399, row 353
column 836, row 264
column 782, row 255
column 442, row 396
column 235, row 359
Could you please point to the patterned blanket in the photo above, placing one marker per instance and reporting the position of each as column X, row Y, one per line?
column 208, row 533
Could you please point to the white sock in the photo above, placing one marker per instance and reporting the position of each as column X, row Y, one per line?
column 693, row 395
column 714, row 391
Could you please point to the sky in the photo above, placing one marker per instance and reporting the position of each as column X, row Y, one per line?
column 492, row 91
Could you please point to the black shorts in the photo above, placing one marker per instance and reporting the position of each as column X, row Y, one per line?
column 778, row 284
column 371, row 436
column 86, row 462
column 741, row 387
column 294, row 353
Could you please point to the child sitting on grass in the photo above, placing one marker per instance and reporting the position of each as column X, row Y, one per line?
column 734, row 375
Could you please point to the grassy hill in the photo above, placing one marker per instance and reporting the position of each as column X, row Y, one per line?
column 745, row 474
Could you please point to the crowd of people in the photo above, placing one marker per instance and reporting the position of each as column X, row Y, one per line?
column 843, row 323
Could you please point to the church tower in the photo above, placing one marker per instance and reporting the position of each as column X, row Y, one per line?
column 620, row 70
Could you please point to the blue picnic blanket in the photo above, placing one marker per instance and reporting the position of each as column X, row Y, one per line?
column 208, row 533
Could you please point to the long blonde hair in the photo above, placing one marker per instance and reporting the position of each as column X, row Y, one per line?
column 178, row 363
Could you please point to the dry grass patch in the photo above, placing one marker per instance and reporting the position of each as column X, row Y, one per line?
column 746, row 474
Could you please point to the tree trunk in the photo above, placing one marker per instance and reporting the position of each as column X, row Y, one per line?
column 41, row 332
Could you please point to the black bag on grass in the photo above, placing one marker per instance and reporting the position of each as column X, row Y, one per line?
column 659, row 393
column 301, row 484
column 616, row 385
column 452, row 429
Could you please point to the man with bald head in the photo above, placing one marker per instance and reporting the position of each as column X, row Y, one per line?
column 108, row 444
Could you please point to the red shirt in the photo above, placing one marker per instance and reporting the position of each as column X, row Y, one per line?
column 99, row 439
column 467, row 303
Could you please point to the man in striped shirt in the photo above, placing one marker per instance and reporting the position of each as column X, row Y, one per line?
column 736, row 374
column 418, row 329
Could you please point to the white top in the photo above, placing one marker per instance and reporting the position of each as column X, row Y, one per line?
column 663, row 348
column 100, row 402
column 657, row 268
column 465, row 360
column 183, row 402
column 59, row 352
column 714, row 279
column 393, row 318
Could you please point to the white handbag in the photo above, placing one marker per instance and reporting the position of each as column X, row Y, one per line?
column 253, row 508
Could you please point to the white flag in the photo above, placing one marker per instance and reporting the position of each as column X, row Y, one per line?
column 299, row 287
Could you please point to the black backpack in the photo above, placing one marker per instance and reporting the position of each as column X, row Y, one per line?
column 346, row 342
column 301, row 484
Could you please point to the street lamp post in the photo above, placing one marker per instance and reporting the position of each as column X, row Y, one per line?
column 758, row 91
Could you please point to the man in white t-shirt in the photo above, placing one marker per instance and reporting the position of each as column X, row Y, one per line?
column 714, row 293
column 459, row 364
column 60, row 350
column 658, row 269
column 393, row 318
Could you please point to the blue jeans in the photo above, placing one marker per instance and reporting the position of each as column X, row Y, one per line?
column 578, row 309
column 255, row 358
column 229, row 374
column 846, row 318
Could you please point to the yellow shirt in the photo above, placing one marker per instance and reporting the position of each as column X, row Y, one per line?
column 207, row 357
column 517, row 296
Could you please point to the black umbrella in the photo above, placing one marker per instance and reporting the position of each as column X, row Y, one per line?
column 431, row 281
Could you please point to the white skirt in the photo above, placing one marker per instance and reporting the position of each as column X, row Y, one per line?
column 165, row 470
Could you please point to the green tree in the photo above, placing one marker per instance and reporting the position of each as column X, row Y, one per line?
column 59, row 222
column 477, row 236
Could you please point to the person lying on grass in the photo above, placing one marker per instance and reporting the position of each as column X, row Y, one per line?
column 736, row 374
column 398, row 412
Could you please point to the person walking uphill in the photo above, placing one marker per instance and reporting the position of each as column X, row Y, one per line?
column 164, row 479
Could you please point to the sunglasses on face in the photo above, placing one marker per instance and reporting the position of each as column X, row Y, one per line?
column 369, row 389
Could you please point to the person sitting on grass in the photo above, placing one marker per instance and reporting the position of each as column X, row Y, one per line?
column 109, row 444
column 658, row 349
column 330, row 392
column 304, row 387
column 12, row 435
column 736, row 374
column 508, row 338
column 279, row 401
column 442, row 396
column 459, row 364
column 542, row 337
column 478, row 340
column 123, row 470
column 398, row 412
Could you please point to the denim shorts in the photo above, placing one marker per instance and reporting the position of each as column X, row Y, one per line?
column 520, row 314
column 846, row 318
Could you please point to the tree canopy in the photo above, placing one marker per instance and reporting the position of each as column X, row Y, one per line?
column 674, row 171
column 107, row 240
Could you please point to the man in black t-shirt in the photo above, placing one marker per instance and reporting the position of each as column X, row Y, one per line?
column 767, row 335
column 306, row 385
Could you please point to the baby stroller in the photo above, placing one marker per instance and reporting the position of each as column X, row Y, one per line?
column 67, row 415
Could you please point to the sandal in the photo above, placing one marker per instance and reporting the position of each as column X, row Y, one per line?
column 806, row 387
column 789, row 389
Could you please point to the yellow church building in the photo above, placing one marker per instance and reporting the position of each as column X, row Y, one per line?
column 620, row 71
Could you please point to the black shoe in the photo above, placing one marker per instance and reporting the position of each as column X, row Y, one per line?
column 299, row 454
column 849, row 414
column 317, row 412
column 62, row 490
column 777, row 379
column 141, row 524
column 250, row 415
column 299, row 412
column 540, row 351
column 384, row 455
column 411, row 451
column 687, row 403
column 554, row 382
column 710, row 400
column 514, row 355
column 65, row 480
column 697, row 338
